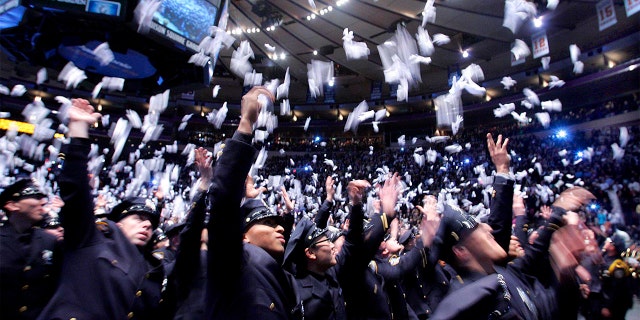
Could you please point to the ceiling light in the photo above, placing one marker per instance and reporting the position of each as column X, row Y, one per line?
column 294, row 118
column 611, row 64
column 99, row 107
column 315, row 52
column 465, row 53
column 308, row 18
column 283, row 56
column 313, row 16
column 329, row 8
column 332, row 82
column 537, row 22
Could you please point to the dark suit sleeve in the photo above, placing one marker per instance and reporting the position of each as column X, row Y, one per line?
column 188, row 255
column 536, row 260
column 406, row 263
column 464, row 302
column 323, row 214
column 521, row 231
column 501, row 212
column 76, row 215
column 225, row 223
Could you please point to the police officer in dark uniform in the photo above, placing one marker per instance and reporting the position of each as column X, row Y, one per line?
column 426, row 285
column 168, row 254
column 311, row 257
column 487, row 290
column 29, row 257
column 247, row 281
column 108, row 271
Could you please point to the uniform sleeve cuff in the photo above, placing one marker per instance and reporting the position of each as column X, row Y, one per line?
column 242, row 137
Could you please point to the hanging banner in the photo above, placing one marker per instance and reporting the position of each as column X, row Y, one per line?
column 632, row 6
column 540, row 44
column 606, row 14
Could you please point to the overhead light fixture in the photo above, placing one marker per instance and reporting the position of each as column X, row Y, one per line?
column 315, row 52
column 99, row 107
column 283, row 56
column 294, row 118
column 465, row 53
column 537, row 22
column 332, row 82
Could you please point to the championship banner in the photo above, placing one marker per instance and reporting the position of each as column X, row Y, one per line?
column 540, row 44
column 606, row 14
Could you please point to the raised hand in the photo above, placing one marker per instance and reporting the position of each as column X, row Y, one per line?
column 430, row 220
column 518, row 207
column 356, row 189
column 289, row 204
column 250, row 108
column 330, row 187
column 389, row 195
column 203, row 162
column 250, row 190
column 545, row 212
column 499, row 154
column 573, row 198
column 81, row 116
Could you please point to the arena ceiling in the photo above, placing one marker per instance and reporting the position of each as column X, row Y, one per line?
column 472, row 26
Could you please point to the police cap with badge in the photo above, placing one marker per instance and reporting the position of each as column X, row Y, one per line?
column 455, row 226
column 305, row 235
column 253, row 210
column 135, row 205
column 21, row 189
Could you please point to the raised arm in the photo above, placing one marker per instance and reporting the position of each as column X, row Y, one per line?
column 188, row 255
column 226, row 191
column 562, row 213
column 325, row 209
column 77, row 216
column 502, row 197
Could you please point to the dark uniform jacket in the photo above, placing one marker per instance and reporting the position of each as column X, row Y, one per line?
column 360, row 287
column 104, row 275
column 28, row 277
column 426, row 286
column 187, row 281
column 322, row 297
column 506, row 294
column 245, row 282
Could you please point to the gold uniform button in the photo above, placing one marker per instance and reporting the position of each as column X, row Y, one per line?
column 23, row 309
column 27, row 268
column 130, row 315
column 272, row 306
column 25, row 287
column 139, row 293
